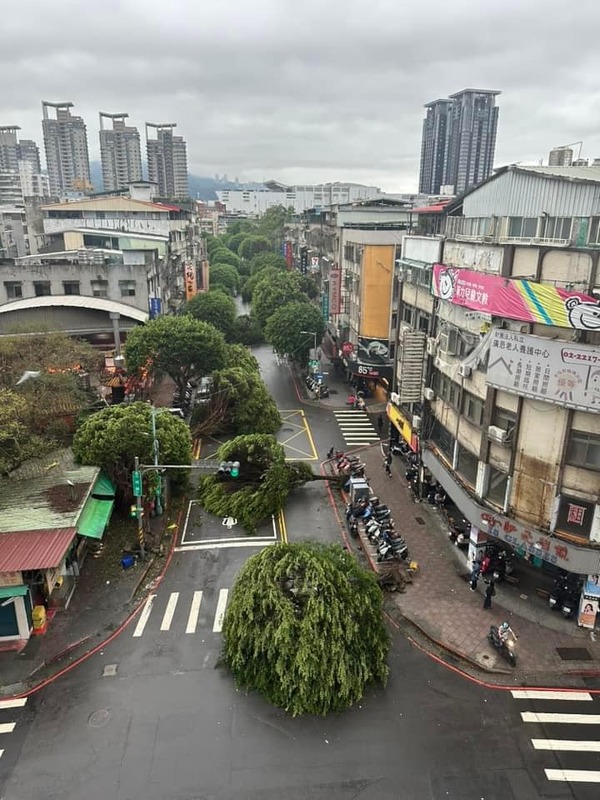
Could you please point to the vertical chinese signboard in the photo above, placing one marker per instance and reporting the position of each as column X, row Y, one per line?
column 335, row 290
column 289, row 255
column 189, row 279
column 325, row 306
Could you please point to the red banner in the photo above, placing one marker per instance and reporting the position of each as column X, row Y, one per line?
column 289, row 255
column 335, row 290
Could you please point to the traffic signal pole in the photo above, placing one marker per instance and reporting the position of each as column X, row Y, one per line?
column 139, row 514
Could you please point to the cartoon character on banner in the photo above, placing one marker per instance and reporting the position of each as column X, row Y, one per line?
column 447, row 283
column 592, row 386
column 583, row 314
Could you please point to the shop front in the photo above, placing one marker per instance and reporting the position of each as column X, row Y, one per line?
column 403, row 426
column 376, row 379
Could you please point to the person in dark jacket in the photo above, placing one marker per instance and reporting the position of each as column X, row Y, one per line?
column 474, row 576
column 490, row 591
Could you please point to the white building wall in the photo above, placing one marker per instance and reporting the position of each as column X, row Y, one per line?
column 257, row 201
column 422, row 248
column 158, row 227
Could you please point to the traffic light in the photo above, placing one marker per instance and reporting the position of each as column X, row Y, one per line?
column 133, row 511
column 228, row 469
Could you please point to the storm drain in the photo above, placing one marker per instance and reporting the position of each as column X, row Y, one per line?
column 420, row 520
column 574, row 654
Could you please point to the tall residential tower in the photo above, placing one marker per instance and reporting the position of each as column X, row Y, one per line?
column 65, row 143
column 120, row 152
column 167, row 160
column 459, row 141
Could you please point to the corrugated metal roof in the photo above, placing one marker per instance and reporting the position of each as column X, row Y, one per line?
column 76, row 301
column 110, row 203
column 34, row 549
column 591, row 174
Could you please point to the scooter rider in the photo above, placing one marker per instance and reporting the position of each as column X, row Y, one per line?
column 504, row 631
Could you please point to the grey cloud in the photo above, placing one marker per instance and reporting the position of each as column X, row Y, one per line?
column 307, row 90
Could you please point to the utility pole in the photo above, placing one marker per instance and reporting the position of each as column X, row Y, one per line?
column 137, row 489
column 155, row 450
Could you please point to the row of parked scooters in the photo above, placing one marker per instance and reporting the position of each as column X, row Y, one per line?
column 319, row 389
column 565, row 595
column 375, row 516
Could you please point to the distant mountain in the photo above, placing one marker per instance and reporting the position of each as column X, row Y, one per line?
column 201, row 188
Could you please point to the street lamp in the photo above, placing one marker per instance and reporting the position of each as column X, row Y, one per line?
column 314, row 335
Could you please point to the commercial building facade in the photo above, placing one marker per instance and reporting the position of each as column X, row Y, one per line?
column 255, row 202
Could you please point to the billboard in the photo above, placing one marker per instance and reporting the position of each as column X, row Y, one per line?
column 189, row 280
column 373, row 351
column 289, row 254
column 335, row 290
column 516, row 299
column 154, row 305
column 563, row 373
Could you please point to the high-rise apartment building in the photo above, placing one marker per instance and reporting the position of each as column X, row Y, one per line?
column 120, row 152
column 459, row 141
column 29, row 153
column 20, row 170
column 65, row 143
column 434, row 146
column 167, row 160
column 9, row 147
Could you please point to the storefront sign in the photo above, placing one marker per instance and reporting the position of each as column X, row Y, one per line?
column 289, row 255
column 325, row 306
column 304, row 260
column 11, row 579
column 592, row 586
column 154, row 304
column 566, row 374
column 516, row 299
column 403, row 426
column 189, row 277
column 574, row 516
column 335, row 290
column 373, row 351
column 588, row 609
column 369, row 371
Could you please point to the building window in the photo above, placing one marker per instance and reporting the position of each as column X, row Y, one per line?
column 557, row 227
column 472, row 408
column 505, row 419
column 407, row 315
column 498, row 482
column 127, row 288
column 584, row 450
column 522, row 227
column 467, row 465
column 100, row 288
column 41, row 288
column 443, row 439
column 446, row 389
column 13, row 289
column 71, row 287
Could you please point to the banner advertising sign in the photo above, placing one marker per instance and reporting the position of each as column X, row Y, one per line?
column 325, row 306
column 289, row 255
column 373, row 351
column 335, row 290
column 516, row 299
column 189, row 278
column 304, row 260
column 587, row 613
column 154, row 307
column 563, row 373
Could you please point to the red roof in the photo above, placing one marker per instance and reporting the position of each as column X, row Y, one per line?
column 34, row 549
column 434, row 209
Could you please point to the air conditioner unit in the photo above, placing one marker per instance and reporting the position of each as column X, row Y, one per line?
column 416, row 423
column 497, row 434
column 429, row 394
column 446, row 343
column 431, row 345
column 409, row 276
column 395, row 398
column 464, row 371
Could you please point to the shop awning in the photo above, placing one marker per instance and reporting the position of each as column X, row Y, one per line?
column 94, row 518
column 13, row 591
column 45, row 549
column 103, row 488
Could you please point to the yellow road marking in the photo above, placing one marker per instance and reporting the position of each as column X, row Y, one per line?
column 309, row 434
column 303, row 428
column 283, row 528
column 196, row 447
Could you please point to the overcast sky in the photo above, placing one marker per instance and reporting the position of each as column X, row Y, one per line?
column 307, row 90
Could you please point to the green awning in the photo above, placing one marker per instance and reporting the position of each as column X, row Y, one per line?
column 13, row 591
column 94, row 518
column 103, row 487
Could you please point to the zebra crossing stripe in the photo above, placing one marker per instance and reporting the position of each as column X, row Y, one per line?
column 573, row 775
column 7, row 727
column 221, row 606
column 544, row 694
column 13, row 702
column 169, row 611
column 572, row 745
column 194, row 611
column 144, row 616
column 565, row 719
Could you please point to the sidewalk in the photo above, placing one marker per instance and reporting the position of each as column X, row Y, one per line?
column 441, row 607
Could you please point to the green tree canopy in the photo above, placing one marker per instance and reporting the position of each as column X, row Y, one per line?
column 247, row 331
column 272, row 223
column 225, row 276
column 112, row 437
column 241, row 226
column 215, row 307
column 235, row 240
column 304, row 628
column 273, row 293
column 309, row 286
column 250, row 407
column 53, row 352
column 252, row 282
column 181, row 347
column 264, row 260
column 236, row 355
column 252, row 245
column 284, row 329
column 17, row 440
column 223, row 255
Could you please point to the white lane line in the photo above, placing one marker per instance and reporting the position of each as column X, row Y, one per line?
column 221, row 546
column 15, row 702
column 531, row 694
column 144, row 616
column 1, row 753
column 221, row 606
column 194, row 611
column 574, row 745
column 169, row 611
column 7, row 727
column 573, row 775
column 567, row 719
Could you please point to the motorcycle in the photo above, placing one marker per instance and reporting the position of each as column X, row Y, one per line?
column 570, row 602
column 459, row 532
column 502, row 638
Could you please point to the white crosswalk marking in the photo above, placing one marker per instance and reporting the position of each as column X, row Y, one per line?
column 573, row 751
column 144, row 616
column 356, row 426
column 7, row 727
column 220, row 615
column 169, row 611
column 194, row 611
column 13, row 702
column 8, row 704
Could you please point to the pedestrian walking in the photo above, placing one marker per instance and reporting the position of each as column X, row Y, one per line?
column 474, row 576
column 490, row 591
column 388, row 468
column 380, row 423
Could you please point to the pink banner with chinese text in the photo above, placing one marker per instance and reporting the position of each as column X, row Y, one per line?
column 516, row 298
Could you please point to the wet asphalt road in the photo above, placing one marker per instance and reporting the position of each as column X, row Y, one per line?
column 169, row 725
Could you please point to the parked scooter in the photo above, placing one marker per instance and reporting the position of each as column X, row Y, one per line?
column 459, row 532
column 503, row 639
